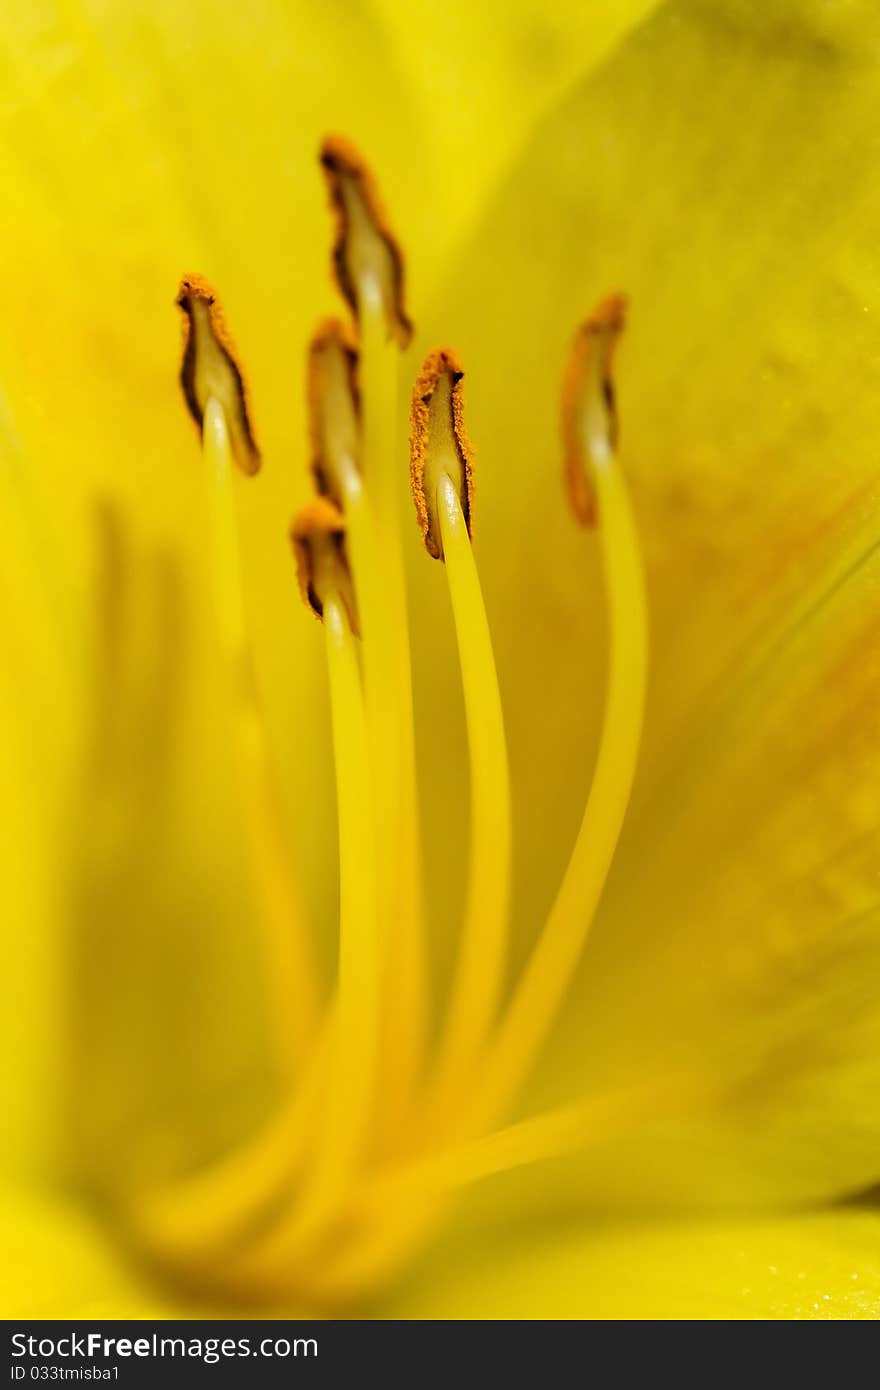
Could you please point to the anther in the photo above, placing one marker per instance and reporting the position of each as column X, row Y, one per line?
column 318, row 537
column 438, row 443
column 367, row 259
column 210, row 368
column 589, row 416
column 334, row 411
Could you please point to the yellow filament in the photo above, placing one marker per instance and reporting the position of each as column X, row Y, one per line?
column 479, row 977
column 378, row 563
column 350, row 1102
column 553, row 960
column 550, row 1135
column 226, row 560
column 424, row 1188
column 369, row 1037
column 530, row 1141
column 290, row 967
column 341, row 1130
column 197, row 1216
column 542, row 986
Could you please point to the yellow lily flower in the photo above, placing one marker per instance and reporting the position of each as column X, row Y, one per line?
column 674, row 1118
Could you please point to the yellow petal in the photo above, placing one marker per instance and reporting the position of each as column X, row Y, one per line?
column 820, row 1265
column 806, row 1267
column 480, row 79
column 701, row 171
column 58, row 1265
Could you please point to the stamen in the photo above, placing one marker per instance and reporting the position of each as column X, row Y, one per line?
column 589, row 413
column 557, row 951
column 192, row 1220
column 334, row 410
column 335, row 425
column 369, row 270
column 351, row 1104
column 542, row 985
column 439, row 446
column 367, row 259
column 210, row 368
column 293, row 976
column 226, row 560
column 443, row 487
column 318, row 537
column 567, row 1129
column 427, row 1184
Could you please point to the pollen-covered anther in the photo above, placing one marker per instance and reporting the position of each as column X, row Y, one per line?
column 438, row 444
column 319, row 547
column 367, row 259
column 210, row 368
column 334, row 411
column 589, row 416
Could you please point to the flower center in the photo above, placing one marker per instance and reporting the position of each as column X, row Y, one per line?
column 378, row 1130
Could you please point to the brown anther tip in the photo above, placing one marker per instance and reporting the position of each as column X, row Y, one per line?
column 210, row 368
column 588, row 387
column 339, row 155
column 331, row 334
column 442, row 362
column 341, row 162
column 609, row 315
column 318, row 538
column 334, row 331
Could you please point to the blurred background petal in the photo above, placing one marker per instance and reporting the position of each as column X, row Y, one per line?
column 807, row 1267
column 720, row 169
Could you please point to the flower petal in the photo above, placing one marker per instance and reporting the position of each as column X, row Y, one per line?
column 58, row 1265
column 481, row 78
column 720, row 170
column 821, row 1266
column 810, row 1266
